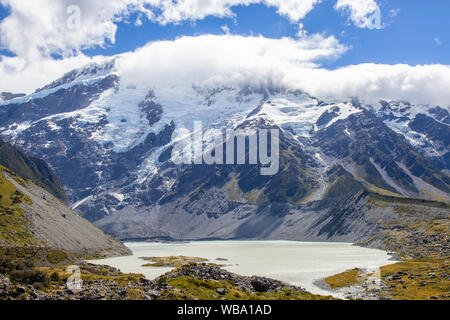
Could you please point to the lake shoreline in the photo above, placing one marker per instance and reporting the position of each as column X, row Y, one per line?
column 297, row 263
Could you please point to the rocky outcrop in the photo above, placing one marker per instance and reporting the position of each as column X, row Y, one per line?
column 5, row 284
column 211, row 272
column 137, row 288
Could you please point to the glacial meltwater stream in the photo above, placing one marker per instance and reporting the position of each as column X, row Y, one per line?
column 297, row 263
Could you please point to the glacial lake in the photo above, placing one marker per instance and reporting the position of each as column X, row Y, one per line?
column 297, row 263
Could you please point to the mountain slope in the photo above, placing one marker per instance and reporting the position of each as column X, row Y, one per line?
column 30, row 168
column 30, row 216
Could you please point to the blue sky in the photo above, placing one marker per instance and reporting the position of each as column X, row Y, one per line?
column 418, row 34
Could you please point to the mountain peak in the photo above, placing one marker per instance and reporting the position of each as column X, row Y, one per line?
column 90, row 71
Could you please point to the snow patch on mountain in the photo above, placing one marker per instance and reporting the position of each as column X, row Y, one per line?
column 397, row 115
column 299, row 112
column 16, row 129
column 126, row 125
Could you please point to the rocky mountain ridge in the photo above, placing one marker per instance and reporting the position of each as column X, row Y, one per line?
column 111, row 142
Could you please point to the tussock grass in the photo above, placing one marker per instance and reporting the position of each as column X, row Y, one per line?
column 345, row 279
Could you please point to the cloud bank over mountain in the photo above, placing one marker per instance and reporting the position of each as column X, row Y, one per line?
column 237, row 60
column 47, row 48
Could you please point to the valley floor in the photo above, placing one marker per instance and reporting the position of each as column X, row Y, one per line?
column 411, row 279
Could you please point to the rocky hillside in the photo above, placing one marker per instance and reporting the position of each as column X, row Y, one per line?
column 34, row 215
column 31, row 217
column 30, row 168
column 418, row 232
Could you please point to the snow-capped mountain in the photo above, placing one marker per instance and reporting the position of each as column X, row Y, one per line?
column 110, row 142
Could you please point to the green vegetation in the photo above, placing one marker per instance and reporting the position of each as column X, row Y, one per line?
column 91, row 273
column 419, row 279
column 39, row 256
column 191, row 288
column 345, row 279
column 234, row 192
column 31, row 169
column 57, row 256
column 370, row 174
column 13, row 223
column 254, row 196
column 341, row 182
column 419, row 231
column 173, row 261
column 379, row 191
column 55, row 277
column 408, row 201
column 292, row 184
column 23, row 272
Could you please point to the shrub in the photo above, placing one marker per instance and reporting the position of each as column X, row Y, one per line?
column 161, row 280
column 30, row 277
column 56, row 256
column 55, row 277
column 40, row 286
column 22, row 271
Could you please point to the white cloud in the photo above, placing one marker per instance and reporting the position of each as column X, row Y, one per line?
column 176, row 11
column 295, row 10
column 235, row 60
column 438, row 41
column 224, row 60
column 301, row 33
column 394, row 12
column 205, row 58
column 229, row 59
column 44, row 30
column 16, row 75
column 359, row 11
column 225, row 29
column 421, row 84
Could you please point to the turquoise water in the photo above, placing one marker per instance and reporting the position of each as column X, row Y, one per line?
column 297, row 263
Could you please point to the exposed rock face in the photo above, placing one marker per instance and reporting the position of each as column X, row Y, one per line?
column 441, row 114
column 64, row 100
column 30, row 168
column 211, row 272
column 438, row 133
column 379, row 154
column 9, row 95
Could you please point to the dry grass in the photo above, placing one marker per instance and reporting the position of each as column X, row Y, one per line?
column 172, row 261
column 345, row 279
column 417, row 279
